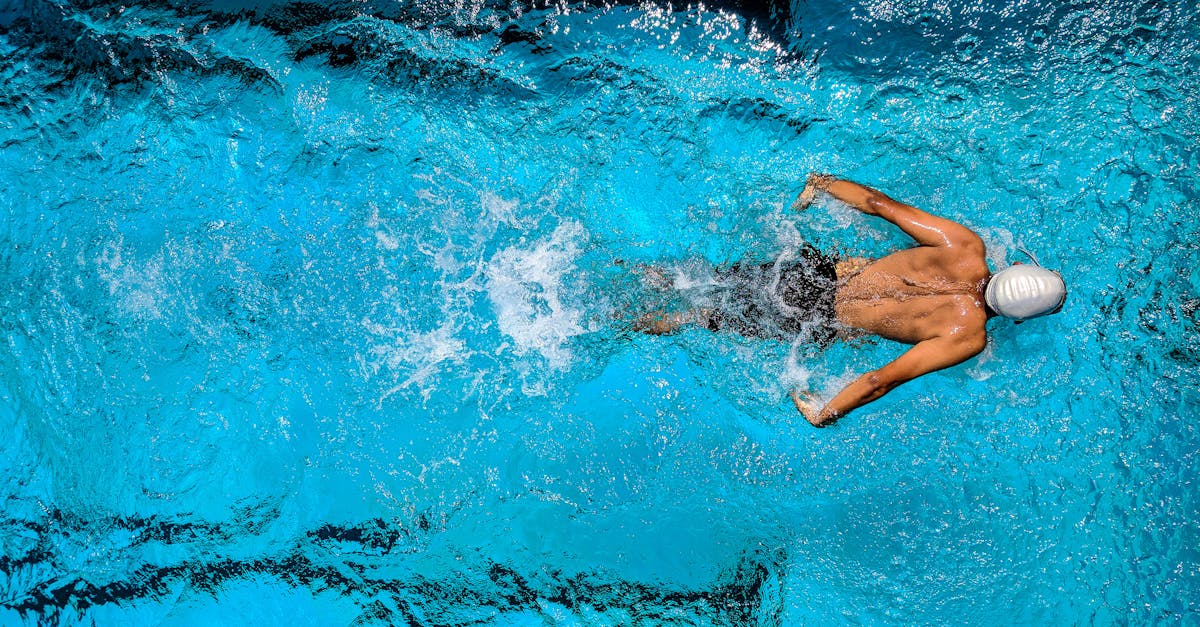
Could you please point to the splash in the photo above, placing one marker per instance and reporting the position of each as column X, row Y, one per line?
column 136, row 286
column 527, row 290
column 421, row 357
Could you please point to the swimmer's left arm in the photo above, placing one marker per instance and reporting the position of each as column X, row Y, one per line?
column 928, row 356
column 925, row 228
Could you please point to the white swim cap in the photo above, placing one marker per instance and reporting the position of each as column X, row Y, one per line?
column 1023, row 291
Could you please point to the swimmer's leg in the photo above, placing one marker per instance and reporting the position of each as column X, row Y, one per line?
column 654, row 277
column 664, row 323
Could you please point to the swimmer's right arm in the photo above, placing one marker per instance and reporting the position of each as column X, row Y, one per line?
column 927, row 356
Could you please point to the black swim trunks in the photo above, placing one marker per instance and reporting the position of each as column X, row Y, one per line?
column 778, row 301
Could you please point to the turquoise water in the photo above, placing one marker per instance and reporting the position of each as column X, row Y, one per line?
column 318, row 315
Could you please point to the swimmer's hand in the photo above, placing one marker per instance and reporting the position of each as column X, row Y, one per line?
column 804, row 199
column 808, row 406
column 816, row 183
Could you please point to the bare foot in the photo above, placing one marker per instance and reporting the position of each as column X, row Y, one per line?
column 655, row 277
column 658, row 323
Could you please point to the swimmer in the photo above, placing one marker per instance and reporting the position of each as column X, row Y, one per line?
column 937, row 296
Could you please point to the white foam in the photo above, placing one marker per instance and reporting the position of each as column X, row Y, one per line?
column 384, row 237
column 526, row 288
column 499, row 209
column 981, row 369
column 421, row 355
column 691, row 275
column 136, row 286
column 835, row 384
column 796, row 374
column 998, row 242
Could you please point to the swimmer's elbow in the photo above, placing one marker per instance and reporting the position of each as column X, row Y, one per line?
column 971, row 345
column 969, row 242
column 875, row 203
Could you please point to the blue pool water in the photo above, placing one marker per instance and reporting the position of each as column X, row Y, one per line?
column 317, row 315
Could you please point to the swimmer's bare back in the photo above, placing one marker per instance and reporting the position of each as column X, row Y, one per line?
column 930, row 296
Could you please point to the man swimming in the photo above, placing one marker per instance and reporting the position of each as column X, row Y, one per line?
column 936, row 296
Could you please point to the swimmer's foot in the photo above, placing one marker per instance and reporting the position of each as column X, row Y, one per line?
column 654, row 277
column 659, row 323
column 663, row 323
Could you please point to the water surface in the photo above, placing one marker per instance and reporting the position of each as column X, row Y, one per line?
column 317, row 314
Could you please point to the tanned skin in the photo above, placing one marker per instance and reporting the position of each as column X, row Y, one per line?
column 930, row 296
